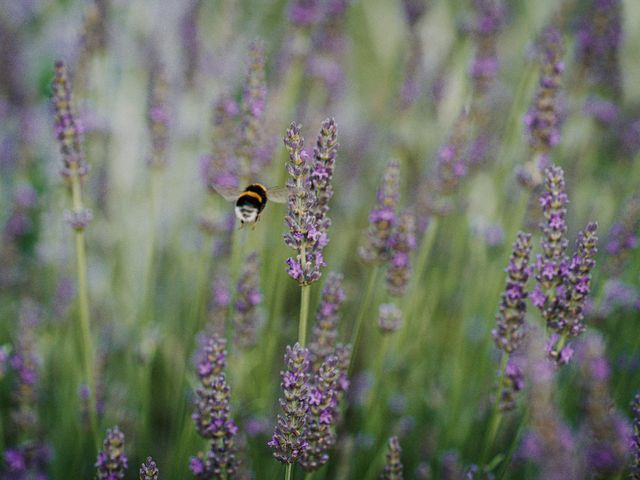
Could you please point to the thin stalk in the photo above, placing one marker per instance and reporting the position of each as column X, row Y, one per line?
column 496, row 415
column 305, row 290
column 309, row 475
column 288, row 473
column 356, row 333
column 86, row 343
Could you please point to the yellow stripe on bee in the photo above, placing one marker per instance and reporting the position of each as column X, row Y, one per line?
column 253, row 195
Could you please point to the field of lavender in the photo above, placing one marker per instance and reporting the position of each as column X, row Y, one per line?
column 446, row 290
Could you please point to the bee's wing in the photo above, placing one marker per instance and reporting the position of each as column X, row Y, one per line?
column 228, row 193
column 279, row 194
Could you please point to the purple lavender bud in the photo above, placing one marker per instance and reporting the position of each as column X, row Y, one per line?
column 250, row 154
column 321, row 416
column 598, row 41
column 78, row 219
column 158, row 115
column 389, row 318
column 414, row 10
column 248, row 298
column 67, row 127
column 325, row 331
column 289, row 441
column 306, row 234
column 213, row 422
column 212, row 359
column 149, row 470
column 221, row 167
column 343, row 354
column 551, row 267
column 606, row 435
column 541, row 121
column 304, row 13
column 321, row 174
column 219, row 303
column 510, row 319
column 393, row 466
column 604, row 111
column 112, row 462
column 401, row 243
column 489, row 22
column 617, row 295
column 512, row 382
column 622, row 238
column 411, row 86
column 190, row 41
column 635, row 442
column 29, row 460
column 382, row 218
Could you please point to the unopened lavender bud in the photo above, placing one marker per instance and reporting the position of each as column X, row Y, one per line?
column 149, row 470
column 78, row 219
column 248, row 298
column 158, row 116
column 67, row 127
column 393, row 466
column 389, row 318
column 289, row 440
column 510, row 319
column 112, row 462
column 321, row 174
column 382, row 218
column 490, row 19
column 212, row 359
column 402, row 242
column 321, row 416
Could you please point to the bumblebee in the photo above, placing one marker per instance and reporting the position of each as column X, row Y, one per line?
column 251, row 201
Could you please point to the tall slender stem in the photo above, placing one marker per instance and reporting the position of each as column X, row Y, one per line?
column 356, row 333
column 305, row 290
column 86, row 343
column 288, row 474
column 496, row 414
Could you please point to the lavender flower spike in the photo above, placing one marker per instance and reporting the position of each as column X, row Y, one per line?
column 324, row 154
column 306, row 234
column 393, row 467
column 510, row 319
column 541, row 121
column 402, row 242
column 253, row 107
column 321, row 417
column 389, row 318
column 490, row 19
column 289, row 441
column 248, row 299
column 211, row 416
column 325, row 331
column 112, row 462
column 382, row 218
column 158, row 115
column 635, row 442
column 149, row 470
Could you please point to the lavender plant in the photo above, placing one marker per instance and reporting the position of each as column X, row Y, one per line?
column 112, row 463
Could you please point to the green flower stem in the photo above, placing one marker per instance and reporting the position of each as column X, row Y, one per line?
column 357, row 329
column 86, row 342
column 288, row 474
column 496, row 414
column 305, row 290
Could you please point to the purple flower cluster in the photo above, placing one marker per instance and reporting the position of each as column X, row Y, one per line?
column 393, row 465
column 149, row 470
column 563, row 283
column 67, row 126
column 246, row 318
column 321, row 416
column 158, row 115
column 304, row 13
column 635, row 441
column 541, row 121
column 220, row 168
column 112, row 463
column 489, row 22
column 605, row 433
column 325, row 331
column 28, row 461
column 598, row 41
column 252, row 155
column 310, row 192
column 382, row 218
column 401, row 242
column 510, row 320
column 289, row 442
column 212, row 417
